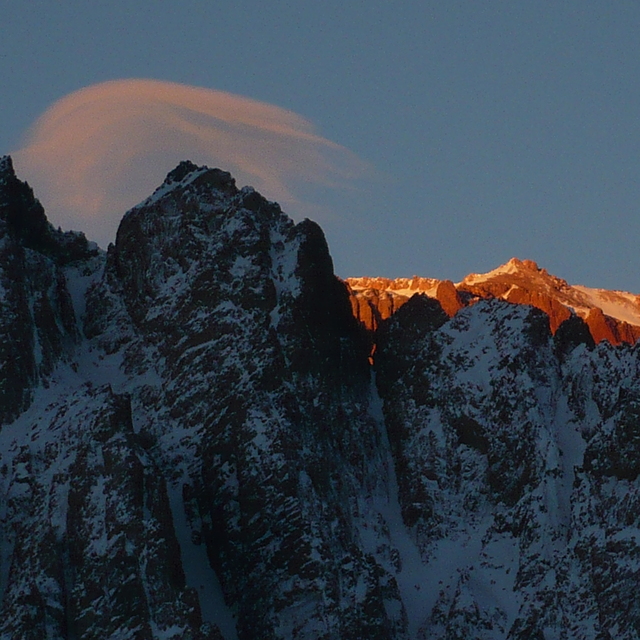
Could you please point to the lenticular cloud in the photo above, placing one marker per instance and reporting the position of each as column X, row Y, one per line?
column 99, row 151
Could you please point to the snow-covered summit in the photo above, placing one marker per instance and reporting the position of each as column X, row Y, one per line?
column 513, row 266
column 611, row 315
column 184, row 174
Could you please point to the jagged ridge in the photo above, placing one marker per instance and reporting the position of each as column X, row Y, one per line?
column 193, row 443
column 610, row 315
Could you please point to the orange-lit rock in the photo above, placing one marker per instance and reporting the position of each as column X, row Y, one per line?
column 603, row 327
column 610, row 315
column 375, row 299
column 600, row 327
column 556, row 311
column 447, row 295
column 371, row 306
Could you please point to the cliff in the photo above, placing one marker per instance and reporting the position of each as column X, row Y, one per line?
column 193, row 443
column 611, row 315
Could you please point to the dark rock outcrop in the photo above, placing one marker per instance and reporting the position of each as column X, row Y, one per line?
column 194, row 444
column 572, row 332
column 264, row 370
column 37, row 321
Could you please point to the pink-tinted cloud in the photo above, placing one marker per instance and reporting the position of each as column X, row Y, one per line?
column 99, row 151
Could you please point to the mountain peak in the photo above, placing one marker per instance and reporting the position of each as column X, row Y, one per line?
column 20, row 210
column 184, row 168
column 187, row 173
column 514, row 267
column 528, row 265
column 23, row 218
column 6, row 166
column 610, row 315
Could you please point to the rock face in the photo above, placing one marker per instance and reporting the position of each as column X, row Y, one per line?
column 193, row 443
column 200, row 459
column 372, row 306
column 515, row 458
column 610, row 315
column 37, row 323
column 376, row 299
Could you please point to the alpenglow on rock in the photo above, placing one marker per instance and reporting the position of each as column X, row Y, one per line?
column 193, row 443
column 609, row 315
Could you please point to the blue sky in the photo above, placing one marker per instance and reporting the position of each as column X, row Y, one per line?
column 491, row 129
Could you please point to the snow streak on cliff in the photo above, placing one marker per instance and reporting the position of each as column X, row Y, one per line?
column 193, row 443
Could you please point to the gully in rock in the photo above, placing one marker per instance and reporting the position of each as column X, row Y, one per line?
column 197, row 441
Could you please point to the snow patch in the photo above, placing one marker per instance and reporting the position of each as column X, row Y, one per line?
column 198, row 572
column 620, row 305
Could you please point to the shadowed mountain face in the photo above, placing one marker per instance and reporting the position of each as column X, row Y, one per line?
column 193, row 443
column 37, row 323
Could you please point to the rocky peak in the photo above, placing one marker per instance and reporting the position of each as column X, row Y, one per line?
column 21, row 213
column 189, row 180
column 610, row 315
column 197, row 224
column 183, row 169
column 37, row 320
column 525, row 274
column 23, row 219
column 218, row 453
column 523, row 282
column 529, row 264
column 6, row 168
column 212, row 242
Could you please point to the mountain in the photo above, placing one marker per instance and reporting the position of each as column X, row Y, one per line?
column 194, row 444
column 610, row 315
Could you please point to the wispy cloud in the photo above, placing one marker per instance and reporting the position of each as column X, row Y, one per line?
column 99, row 151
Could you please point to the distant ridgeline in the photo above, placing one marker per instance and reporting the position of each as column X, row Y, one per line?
column 609, row 315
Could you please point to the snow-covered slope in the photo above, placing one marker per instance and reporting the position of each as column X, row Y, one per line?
column 215, row 411
column 193, row 443
column 615, row 304
column 516, row 454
